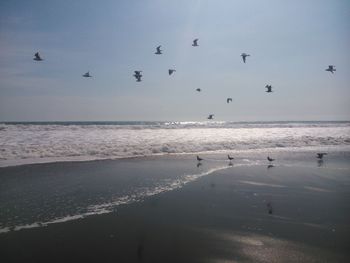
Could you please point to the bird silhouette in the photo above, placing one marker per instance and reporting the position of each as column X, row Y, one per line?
column 171, row 71
column 244, row 56
column 195, row 43
column 331, row 68
column 211, row 116
column 229, row 157
column 229, row 100
column 269, row 88
column 159, row 51
column 37, row 57
column 270, row 159
column 199, row 90
column 87, row 75
column 199, row 159
column 320, row 155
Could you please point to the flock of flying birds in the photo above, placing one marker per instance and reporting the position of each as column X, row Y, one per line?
column 138, row 76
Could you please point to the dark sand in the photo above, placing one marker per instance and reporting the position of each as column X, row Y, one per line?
column 241, row 214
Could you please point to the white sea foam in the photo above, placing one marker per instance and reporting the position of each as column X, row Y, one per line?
column 110, row 206
column 33, row 143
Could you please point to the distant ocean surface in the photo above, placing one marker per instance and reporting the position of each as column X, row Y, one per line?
column 37, row 142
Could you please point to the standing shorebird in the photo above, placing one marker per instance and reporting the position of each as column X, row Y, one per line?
column 229, row 157
column 320, row 155
column 199, row 159
column 331, row 68
column 37, row 57
column 210, row 117
column 195, row 43
column 244, row 56
column 270, row 159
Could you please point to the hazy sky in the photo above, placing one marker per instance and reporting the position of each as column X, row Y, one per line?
column 290, row 42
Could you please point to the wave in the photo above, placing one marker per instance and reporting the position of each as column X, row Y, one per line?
column 36, row 143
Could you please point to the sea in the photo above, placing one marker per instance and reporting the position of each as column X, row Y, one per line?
column 39, row 142
column 53, row 172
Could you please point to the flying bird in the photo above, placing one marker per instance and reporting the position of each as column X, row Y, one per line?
column 320, row 155
column 211, row 116
column 37, row 57
column 229, row 157
column 270, row 159
column 137, row 75
column 159, row 51
column 171, row 71
column 228, row 100
column 195, row 43
column 331, row 68
column 269, row 88
column 244, row 55
column 199, row 159
column 199, row 90
column 87, row 75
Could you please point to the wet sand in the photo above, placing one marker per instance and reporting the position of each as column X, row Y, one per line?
column 240, row 214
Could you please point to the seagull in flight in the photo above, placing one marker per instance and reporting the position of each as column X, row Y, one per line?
column 228, row 100
column 229, row 157
column 269, row 88
column 320, row 155
column 37, row 57
column 244, row 55
column 331, row 68
column 195, row 43
column 87, row 75
column 159, row 51
column 211, row 116
column 171, row 71
column 199, row 90
column 138, row 75
column 199, row 159
column 270, row 159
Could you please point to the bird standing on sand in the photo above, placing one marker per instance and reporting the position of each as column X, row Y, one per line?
column 199, row 90
column 228, row 100
column 159, row 51
column 171, row 71
column 199, row 159
column 211, row 116
column 320, row 155
column 87, row 75
column 195, row 43
column 270, row 159
column 244, row 56
column 37, row 57
column 229, row 157
column 331, row 68
column 269, row 88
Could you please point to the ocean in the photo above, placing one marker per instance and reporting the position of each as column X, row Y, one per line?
column 39, row 142
column 60, row 171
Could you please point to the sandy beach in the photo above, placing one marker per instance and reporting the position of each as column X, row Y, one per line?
column 256, row 213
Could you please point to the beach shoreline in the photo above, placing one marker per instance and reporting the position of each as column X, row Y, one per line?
column 223, row 216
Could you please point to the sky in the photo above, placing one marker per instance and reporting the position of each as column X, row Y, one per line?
column 291, row 43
